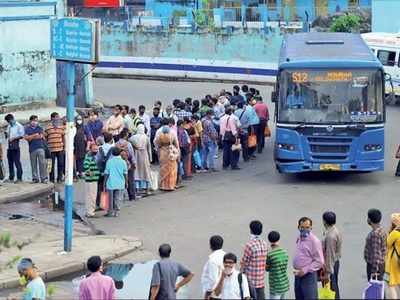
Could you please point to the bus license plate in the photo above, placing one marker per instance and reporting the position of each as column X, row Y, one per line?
column 329, row 167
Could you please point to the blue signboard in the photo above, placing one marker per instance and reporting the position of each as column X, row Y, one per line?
column 75, row 39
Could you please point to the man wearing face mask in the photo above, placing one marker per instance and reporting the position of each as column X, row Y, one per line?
column 34, row 136
column 54, row 135
column 232, row 284
column 94, row 127
column 35, row 289
column 308, row 259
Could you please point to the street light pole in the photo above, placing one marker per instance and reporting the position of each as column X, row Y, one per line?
column 69, row 155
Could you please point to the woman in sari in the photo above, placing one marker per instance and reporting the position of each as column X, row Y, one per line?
column 141, row 143
column 168, row 166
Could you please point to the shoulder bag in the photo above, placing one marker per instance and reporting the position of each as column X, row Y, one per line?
column 228, row 136
column 173, row 152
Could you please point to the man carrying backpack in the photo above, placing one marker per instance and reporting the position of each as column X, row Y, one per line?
column 232, row 284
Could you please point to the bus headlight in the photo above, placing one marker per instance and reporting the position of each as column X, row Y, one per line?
column 288, row 147
column 372, row 147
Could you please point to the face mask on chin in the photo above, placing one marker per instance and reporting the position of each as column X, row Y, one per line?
column 228, row 270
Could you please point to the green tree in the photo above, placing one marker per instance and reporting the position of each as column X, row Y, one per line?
column 346, row 23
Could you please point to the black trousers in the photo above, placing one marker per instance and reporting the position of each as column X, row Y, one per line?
column 60, row 157
column 244, row 140
column 131, row 184
column 334, row 278
column 14, row 159
column 260, row 135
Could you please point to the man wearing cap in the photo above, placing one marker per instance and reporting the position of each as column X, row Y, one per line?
column 35, row 289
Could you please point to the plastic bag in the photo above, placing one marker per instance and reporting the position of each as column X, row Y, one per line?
column 154, row 180
column 267, row 132
column 325, row 293
column 252, row 141
column 197, row 158
column 374, row 290
column 104, row 201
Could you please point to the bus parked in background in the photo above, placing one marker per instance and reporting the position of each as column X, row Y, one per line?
column 386, row 46
column 329, row 105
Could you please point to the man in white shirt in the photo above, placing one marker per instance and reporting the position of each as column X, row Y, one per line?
column 145, row 118
column 213, row 268
column 232, row 284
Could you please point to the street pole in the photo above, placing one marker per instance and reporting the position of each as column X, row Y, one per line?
column 69, row 155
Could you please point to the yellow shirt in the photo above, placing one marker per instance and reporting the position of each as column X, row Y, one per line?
column 198, row 127
column 392, row 266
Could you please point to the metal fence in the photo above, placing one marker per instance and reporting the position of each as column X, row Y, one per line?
column 190, row 19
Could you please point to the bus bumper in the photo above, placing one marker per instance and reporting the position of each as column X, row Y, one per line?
column 303, row 166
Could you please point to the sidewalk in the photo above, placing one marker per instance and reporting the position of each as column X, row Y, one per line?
column 45, row 247
column 11, row 192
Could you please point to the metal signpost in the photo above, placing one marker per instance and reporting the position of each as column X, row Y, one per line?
column 73, row 40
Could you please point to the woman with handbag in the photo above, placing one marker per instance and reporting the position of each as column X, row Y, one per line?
column 167, row 144
column 392, row 261
column 229, row 130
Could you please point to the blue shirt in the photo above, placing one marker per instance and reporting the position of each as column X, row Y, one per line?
column 36, row 143
column 116, row 169
column 244, row 116
column 93, row 129
column 35, row 290
column 254, row 119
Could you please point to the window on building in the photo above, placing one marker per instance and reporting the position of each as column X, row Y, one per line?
column 387, row 58
column 271, row 4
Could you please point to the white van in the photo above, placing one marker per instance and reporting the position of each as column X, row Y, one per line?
column 386, row 46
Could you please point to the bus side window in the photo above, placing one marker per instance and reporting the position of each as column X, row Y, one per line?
column 387, row 58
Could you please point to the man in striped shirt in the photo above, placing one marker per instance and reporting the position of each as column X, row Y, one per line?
column 54, row 135
column 92, row 176
column 254, row 259
column 277, row 264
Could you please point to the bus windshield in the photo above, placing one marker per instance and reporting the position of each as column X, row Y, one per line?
column 331, row 96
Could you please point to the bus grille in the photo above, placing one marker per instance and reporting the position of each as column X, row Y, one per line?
column 329, row 148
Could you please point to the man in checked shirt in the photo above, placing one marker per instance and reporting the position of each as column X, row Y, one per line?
column 254, row 260
column 375, row 246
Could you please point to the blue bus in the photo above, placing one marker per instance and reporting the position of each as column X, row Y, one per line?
column 329, row 105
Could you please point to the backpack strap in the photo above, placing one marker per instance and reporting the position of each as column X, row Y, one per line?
column 395, row 250
column 240, row 280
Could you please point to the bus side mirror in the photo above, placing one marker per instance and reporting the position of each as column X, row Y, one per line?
column 274, row 96
column 388, row 77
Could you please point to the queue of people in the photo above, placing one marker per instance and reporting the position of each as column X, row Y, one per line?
column 222, row 277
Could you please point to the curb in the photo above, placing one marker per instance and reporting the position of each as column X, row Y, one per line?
column 74, row 267
column 23, row 196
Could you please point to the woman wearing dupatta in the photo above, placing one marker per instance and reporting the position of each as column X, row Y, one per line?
column 168, row 167
column 141, row 143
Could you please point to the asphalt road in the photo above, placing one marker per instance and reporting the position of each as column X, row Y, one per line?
column 225, row 202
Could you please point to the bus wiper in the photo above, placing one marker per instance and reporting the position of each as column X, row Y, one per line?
column 301, row 125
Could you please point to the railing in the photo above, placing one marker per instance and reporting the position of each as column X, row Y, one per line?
column 189, row 18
